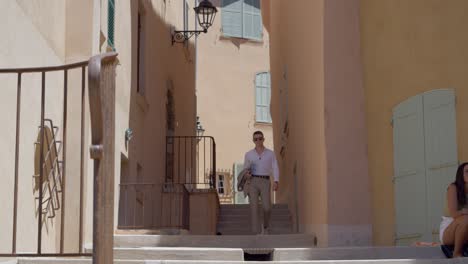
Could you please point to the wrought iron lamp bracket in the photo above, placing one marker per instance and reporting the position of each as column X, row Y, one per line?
column 180, row 36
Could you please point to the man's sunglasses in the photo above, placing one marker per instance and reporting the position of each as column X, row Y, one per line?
column 258, row 139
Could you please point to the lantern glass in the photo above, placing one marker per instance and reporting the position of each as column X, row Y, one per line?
column 206, row 13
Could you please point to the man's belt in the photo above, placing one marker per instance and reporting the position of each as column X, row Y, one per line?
column 262, row 176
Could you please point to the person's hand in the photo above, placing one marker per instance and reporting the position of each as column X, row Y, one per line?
column 249, row 174
column 275, row 186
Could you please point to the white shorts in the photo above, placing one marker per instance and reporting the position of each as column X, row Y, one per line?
column 446, row 221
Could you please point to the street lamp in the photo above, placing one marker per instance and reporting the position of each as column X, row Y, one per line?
column 206, row 13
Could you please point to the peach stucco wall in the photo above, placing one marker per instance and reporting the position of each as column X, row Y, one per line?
column 226, row 69
column 409, row 47
column 315, row 56
column 345, row 129
column 304, row 163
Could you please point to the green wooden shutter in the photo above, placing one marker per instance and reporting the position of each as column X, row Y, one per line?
column 110, row 23
column 409, row 171
column 425, row 160
column 262, row 97
column 252, row 19
column 231, row 18
column 441, row 153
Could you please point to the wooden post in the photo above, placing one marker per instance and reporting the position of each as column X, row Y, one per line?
column 101, row 78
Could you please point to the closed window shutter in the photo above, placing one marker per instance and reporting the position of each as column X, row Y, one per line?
column 232, row 18
column 110, row 23
column 262, row 97
column 252, row 19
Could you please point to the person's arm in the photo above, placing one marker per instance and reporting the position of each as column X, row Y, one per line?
column 452, row 201
column 247, row 163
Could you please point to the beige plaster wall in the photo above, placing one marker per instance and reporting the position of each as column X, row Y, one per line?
column 226, row 70
column 322, row 137
column 31, row 39
column 145, row 113
column 409, row 47
column 52, row 27
column 204, row 211
column 34, row 35
column 298, row 65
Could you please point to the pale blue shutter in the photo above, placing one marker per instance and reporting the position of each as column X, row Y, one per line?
column 409, row 171
column 425, row 159
column 231, row 18
column 252, row 19
column 441, row 152
column 262, row 97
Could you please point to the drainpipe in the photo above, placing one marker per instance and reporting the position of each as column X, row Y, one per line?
column 195, row 2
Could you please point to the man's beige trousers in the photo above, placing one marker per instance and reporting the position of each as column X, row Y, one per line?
column 259, row 187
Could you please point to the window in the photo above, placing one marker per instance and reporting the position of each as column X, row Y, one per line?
column 262, row 97
column 140, row 55
column 242, row 19
column 110, row 23
column 221, row 184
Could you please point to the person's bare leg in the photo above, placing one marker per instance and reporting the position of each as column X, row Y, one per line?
column 456, row 234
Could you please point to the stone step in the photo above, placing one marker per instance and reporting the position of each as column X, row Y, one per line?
column 247, row 212
column 247, row 209
column 380, row 261
column 181, row 253
column 246, row 218
column 246, row 222
column 361, row 253
column 221, row 227
column 176, row 253
column 247, row 206
column 232, row 241
column 247, row 231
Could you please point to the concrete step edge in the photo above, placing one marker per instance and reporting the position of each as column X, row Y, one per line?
column 392, row 261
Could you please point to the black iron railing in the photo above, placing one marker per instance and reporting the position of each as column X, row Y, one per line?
column 191, row 160
column 190, row 163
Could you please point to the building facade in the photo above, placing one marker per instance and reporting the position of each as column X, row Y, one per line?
column 155, row 98
column 372, row 134
column 233, row 87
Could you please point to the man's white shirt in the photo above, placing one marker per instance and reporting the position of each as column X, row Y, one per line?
column 262, row 164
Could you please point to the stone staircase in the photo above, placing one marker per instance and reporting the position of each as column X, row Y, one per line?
column 280, row 249
column 233, row 248
column 234, row 219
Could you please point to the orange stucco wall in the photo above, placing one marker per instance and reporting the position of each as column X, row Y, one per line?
column 408, row 47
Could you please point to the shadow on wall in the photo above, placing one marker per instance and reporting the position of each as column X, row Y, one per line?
column 162, row 103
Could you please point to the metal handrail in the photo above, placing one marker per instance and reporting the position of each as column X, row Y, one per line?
column 46, row 69
column 101, row 78
column 101, row 97
column 43, row 70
